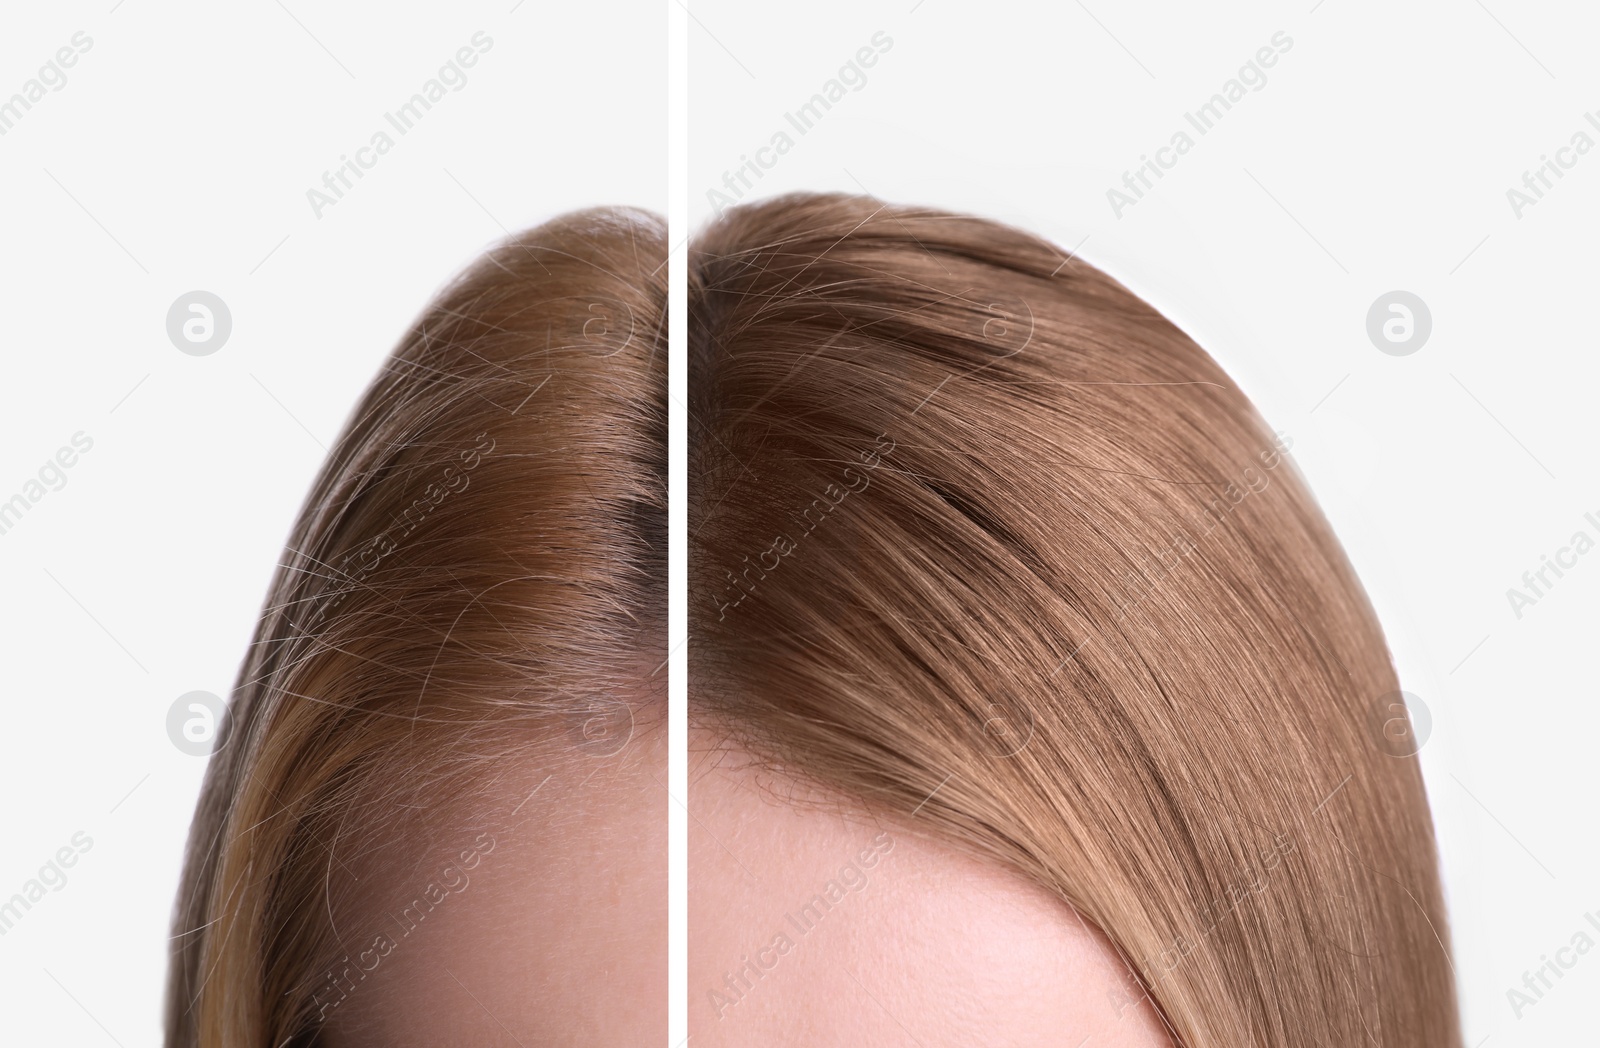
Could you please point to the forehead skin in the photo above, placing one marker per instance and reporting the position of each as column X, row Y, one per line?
column 556, row 935
column 821, row 928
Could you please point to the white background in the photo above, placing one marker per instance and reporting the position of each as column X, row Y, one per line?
column 1377, row 157
column 177, row 157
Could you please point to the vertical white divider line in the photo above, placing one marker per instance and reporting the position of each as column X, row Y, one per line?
column 677, row 523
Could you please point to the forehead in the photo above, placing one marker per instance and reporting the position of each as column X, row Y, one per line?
column 532, row 911
column 812, row 925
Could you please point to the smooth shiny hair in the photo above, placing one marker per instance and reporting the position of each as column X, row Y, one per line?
column 479, row 569
column 983, row 541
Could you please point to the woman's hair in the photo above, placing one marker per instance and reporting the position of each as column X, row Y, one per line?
column 480, row 568
column 980, row 539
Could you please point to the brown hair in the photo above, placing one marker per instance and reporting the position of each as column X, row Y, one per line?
column 980, row 538
column 479, row 567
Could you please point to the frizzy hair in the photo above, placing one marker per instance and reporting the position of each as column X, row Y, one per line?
column 479, row 570
column 1071, row 609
